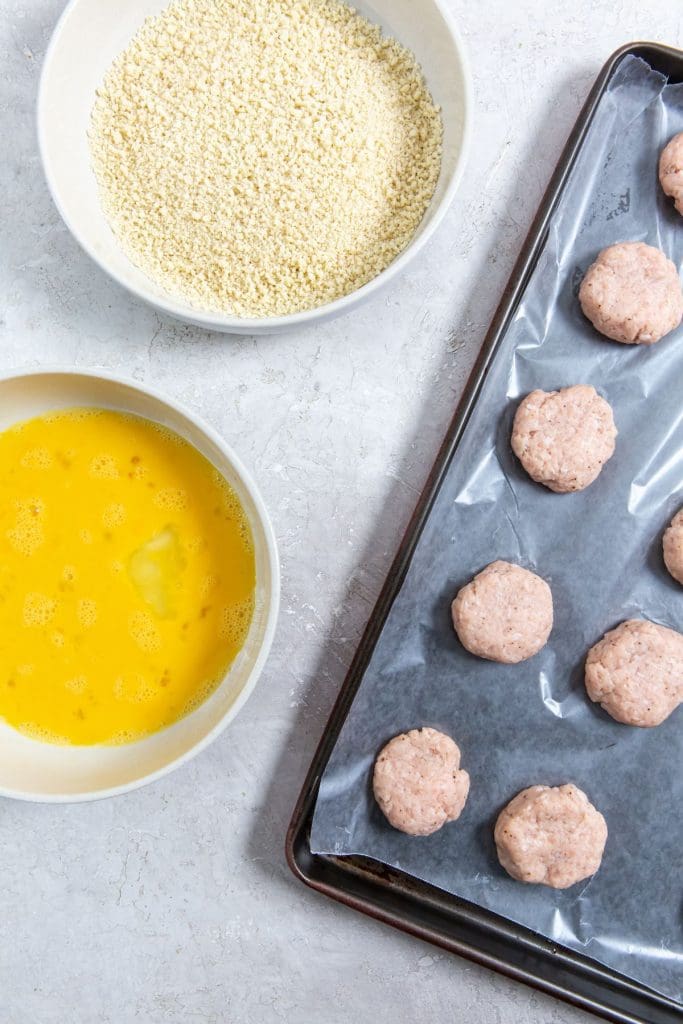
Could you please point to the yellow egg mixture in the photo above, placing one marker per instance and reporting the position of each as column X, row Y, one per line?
column 126, row 577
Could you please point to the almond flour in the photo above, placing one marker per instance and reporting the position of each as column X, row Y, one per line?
column 263, row 157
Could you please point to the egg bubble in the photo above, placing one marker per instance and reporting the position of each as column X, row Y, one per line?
column 87, row 612
column 201, row 693
column 33, row 507
column 26, row 538
column 27, row 535
column 77, row 684
column 144, row 632
column 104, row 467
column 39, row 609
column 36, row 458
column 169, row 435
column 76, row 415
column 114, row 515
column 135, row 688
column 172, row 499
column 208, row 584
column 246, row 537
column 123, row 736
column 145, row 694
column 235, row 620
column 42, row 735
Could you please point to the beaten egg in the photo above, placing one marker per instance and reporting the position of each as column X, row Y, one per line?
column 127, row 577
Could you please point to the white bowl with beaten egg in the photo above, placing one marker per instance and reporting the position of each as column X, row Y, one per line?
column 42, row 771
column 92, row 33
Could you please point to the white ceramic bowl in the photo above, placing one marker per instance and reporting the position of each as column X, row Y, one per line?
column 91, row 33
column 31, row 770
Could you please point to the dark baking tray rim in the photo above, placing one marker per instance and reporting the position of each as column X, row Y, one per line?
column 396, row 898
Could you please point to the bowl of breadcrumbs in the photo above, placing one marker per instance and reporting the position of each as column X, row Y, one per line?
column 253, row 165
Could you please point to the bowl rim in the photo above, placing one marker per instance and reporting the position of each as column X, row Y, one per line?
column 274, row 324
column 273, row 589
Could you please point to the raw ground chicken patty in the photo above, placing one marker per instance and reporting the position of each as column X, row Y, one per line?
column 671, row 170
column 563, row 438
column 672, row 545
column 550, row 835
column 632, row 294
column 263, row 157
column 504, row 614
column 636, row 672
column 418, row 782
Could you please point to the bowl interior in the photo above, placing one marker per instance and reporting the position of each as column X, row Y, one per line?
column 34, row 770
column 93, row 32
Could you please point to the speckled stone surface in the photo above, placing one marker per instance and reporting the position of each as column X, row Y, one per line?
column 174, row 903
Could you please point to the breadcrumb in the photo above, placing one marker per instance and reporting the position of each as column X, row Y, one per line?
column 264, row 157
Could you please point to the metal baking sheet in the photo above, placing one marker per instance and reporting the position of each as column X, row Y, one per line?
column 600, row 552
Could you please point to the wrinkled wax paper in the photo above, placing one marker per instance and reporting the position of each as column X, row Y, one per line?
column 599, row 549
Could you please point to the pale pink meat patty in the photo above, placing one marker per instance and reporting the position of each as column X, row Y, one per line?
column 550, row 835
column 564, row 438
column 673, row 547
column 504, row 614
column 418, row 782
column 632, row 294
column 636, row 672
column 671, row 170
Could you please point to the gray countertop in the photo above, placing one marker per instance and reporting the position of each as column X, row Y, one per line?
column 174, row 904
